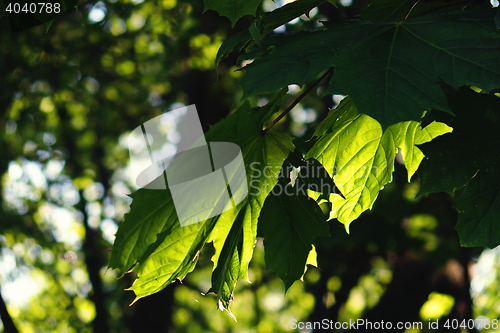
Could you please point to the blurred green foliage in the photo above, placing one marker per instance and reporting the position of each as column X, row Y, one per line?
column 68, row 99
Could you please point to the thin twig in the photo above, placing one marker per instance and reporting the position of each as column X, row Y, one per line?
column 409, row 11
column 297, row 100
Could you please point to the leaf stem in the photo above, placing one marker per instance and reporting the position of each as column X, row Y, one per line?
column 409, row 10
column 297, row 100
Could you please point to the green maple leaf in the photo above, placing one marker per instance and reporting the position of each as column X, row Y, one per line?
column 233, row 9
column 153, row 241
column 289, row 223
column 469, row 156
column 360, row 156
column 151, row 238
column 172, row 256
column 263, row 155
column 140, row 227
column 312, row 260
column 391, row 70
column 232, row 257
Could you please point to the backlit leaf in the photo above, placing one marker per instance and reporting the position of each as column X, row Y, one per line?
column 162, row 251
column 360, row 156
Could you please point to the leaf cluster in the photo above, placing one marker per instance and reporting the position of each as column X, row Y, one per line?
column 398, row 62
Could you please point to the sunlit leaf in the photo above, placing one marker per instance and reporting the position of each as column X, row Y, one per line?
column 408, row 134
column 312, row 260
column 228, row 266
column 172, row 256
column 360, row 156
column 151, row 212
column 163, row 251
column 263, row 155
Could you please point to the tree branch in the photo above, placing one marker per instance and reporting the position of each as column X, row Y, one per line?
column 297, row 100
column 409, row 11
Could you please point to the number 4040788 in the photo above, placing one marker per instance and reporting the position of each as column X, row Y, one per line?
column 33, row 8
column 479, row 323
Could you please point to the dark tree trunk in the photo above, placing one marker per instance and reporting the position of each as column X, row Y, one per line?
column 8, row 323
column 152, row 313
